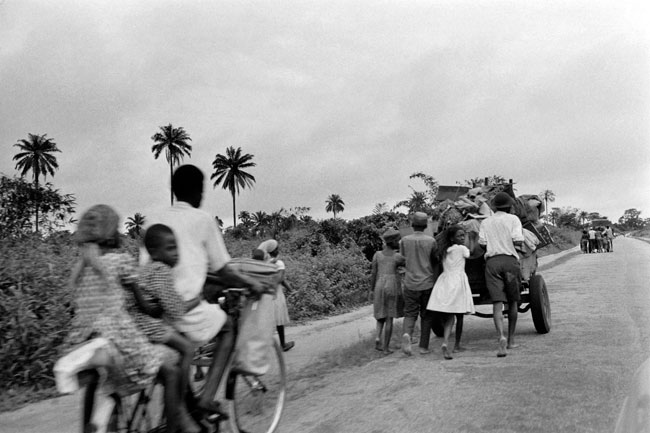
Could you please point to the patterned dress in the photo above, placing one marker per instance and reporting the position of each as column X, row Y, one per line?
column 157, row 284
column 388, row 300
column 100, row 312
column 452, row 293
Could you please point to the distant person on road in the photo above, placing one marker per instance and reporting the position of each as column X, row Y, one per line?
column 501, row 234
column 592, row 240
column 271, row 249
column 422, row 269
column 610, row 239
column 385, row 282
column 584, row 242
column 599, row 240
column 452, row 295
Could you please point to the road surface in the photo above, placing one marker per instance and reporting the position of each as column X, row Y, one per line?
column 570, row 380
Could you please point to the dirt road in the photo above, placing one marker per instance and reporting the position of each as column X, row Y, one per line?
column 572, row 379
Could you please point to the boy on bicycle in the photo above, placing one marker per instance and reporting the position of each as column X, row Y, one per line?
column 156, row 306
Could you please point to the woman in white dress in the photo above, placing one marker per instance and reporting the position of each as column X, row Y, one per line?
column 451, row 294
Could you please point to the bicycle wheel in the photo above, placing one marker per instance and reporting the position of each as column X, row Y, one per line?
column 255, row 403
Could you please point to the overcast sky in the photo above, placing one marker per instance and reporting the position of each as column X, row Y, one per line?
column 334, row 97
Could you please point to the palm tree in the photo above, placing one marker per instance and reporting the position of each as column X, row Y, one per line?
column 134, row 225
column 335, row 204
column 229, row 172
column 174, row 141
column 260, row 220
column 547, row 195
column 583, row 216
column 35, row 156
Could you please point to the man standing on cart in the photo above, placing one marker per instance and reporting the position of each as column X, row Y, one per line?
column 501, row 234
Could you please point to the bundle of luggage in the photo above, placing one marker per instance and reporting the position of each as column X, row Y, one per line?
column 472, row 206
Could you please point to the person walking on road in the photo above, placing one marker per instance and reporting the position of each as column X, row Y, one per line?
column 271, row 250
column 592, row 240
column 610, row 239
column 385, row 283
column 451, row 294
column 422, row 269
column 500, row 234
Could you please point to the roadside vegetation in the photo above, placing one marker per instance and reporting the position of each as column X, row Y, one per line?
column 328, row 261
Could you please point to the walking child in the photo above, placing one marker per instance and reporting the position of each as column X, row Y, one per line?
column 156, row 306
column 271, row 250
column 451, row 295
column 385, row 282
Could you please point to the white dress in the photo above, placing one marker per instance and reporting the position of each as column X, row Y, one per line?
column 451, row 293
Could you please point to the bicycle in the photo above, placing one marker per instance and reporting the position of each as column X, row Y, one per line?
column 255, row 403
column 134, row 410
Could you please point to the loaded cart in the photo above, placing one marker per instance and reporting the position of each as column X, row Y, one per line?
column 468, row 210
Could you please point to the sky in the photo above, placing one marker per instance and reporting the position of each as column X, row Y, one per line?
column 333, row 97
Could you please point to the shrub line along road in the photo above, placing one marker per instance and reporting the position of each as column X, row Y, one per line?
column 570, row 380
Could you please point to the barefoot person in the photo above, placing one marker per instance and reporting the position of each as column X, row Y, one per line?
column 451, row 295
column 385, row 283
column 419, row 250
column 500, row 234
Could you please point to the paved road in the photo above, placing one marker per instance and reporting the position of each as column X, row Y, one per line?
column 572, row 379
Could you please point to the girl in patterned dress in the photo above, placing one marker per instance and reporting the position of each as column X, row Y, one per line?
column 386, row 284
column 451, row 293
column 97, row 280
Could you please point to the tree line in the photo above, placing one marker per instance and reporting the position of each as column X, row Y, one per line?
column 26, row 205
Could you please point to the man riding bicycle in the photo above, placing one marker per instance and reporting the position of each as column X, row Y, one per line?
column 201, row 250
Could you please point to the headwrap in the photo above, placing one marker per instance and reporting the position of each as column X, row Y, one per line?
column 391, row 235
column 268, row 246
column 98, row 224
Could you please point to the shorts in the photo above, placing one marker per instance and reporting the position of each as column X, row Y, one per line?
column 503, row 278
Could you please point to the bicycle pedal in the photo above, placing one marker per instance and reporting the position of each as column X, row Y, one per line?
column 257, row 385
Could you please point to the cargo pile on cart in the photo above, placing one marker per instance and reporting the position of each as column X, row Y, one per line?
column 467, row 207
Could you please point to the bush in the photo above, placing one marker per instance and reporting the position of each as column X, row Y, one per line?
column 35, row 307
column 334, row 281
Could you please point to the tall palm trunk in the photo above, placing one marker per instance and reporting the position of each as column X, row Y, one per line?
column 171, row 174
column 36, row 201
column 234, row 220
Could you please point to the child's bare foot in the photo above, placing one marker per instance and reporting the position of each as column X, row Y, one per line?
column 406, row 344
column 445, row 352
column 458, row 348
column 512, row 345
column 387, row 351
column 502, row 347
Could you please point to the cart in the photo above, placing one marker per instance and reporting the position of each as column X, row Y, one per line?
column 534, row 294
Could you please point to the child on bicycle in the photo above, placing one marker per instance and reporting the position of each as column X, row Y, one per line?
column 155, row 306
column 100, row 311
